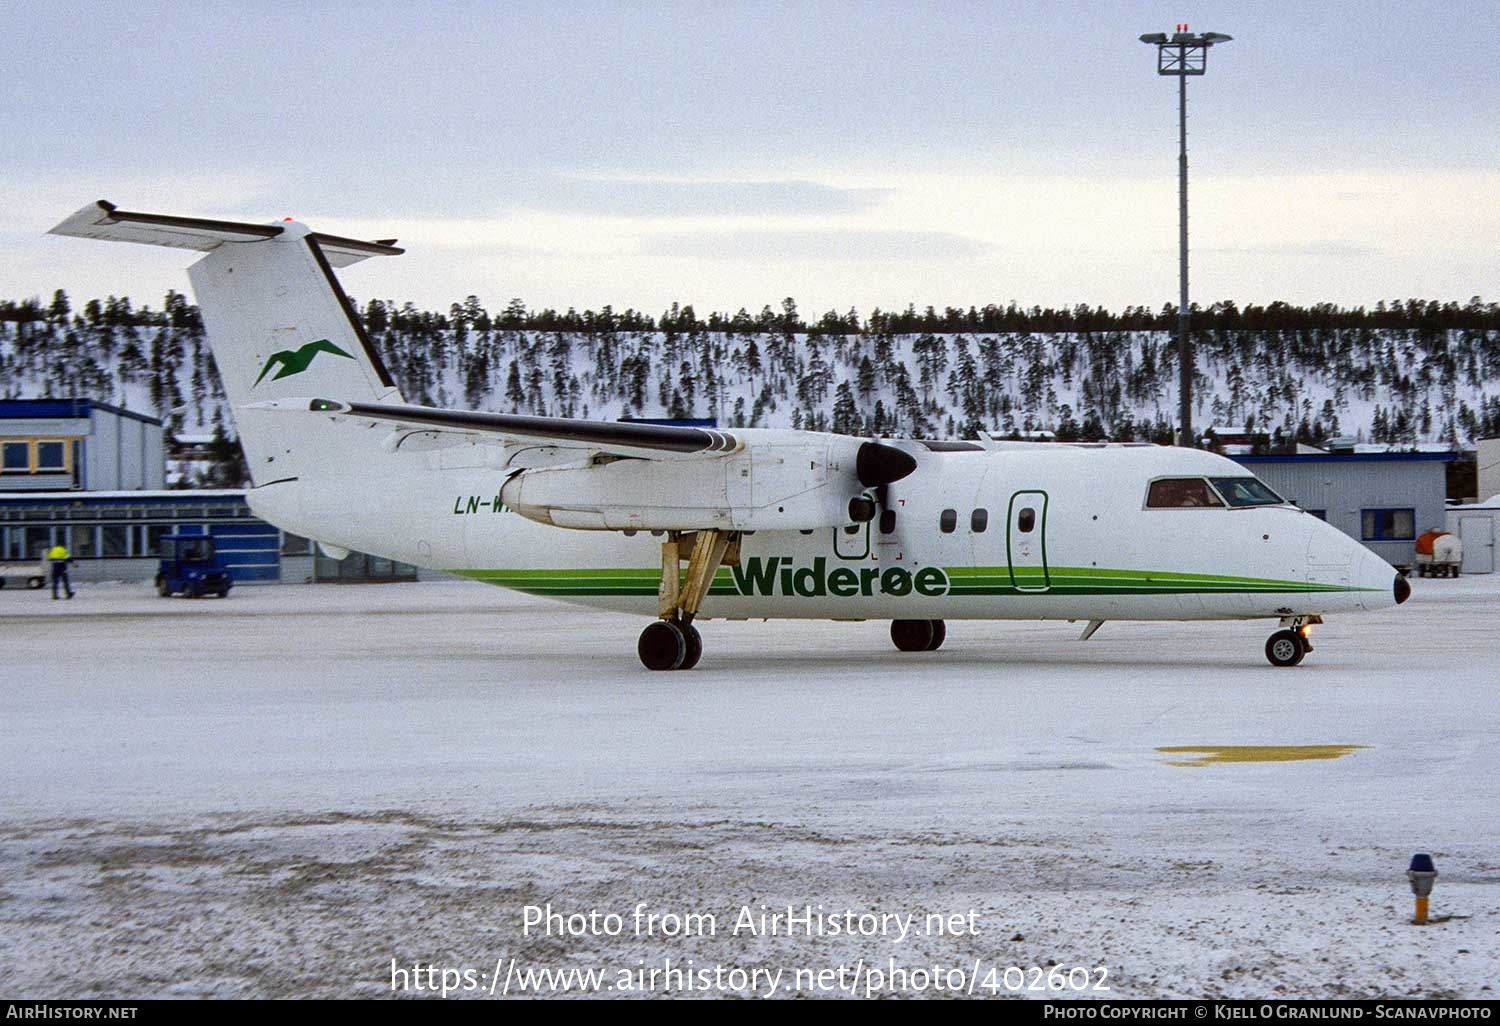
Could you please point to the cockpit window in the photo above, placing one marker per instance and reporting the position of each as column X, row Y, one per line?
column 1180, row 493
column 1246, row 491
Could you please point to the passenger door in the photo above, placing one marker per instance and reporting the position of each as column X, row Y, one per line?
column 1025, row 544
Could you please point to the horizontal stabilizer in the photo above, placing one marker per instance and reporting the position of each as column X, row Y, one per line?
column 103, row 220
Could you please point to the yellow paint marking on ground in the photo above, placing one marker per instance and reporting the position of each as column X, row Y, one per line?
column 1258, row 753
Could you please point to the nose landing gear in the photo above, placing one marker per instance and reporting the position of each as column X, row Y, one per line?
column 1287, row 647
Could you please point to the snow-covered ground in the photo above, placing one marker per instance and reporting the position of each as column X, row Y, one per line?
column 279, row 793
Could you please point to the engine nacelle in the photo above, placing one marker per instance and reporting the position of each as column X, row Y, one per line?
column 801, row 483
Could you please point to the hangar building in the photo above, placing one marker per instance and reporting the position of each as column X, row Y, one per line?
column 1383, row 499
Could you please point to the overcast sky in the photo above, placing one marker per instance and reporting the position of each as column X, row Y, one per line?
column 730, row 154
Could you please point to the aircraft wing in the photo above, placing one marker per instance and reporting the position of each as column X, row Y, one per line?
column 674, row 477
column 650, row 441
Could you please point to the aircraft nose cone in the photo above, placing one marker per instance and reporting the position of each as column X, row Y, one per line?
column 1402, row 589
column 1379, row 585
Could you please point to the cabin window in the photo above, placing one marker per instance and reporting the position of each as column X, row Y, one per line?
column 851, row 528
column 1026, row 520
column 979, row 520
column 948, row 521
column 887, row 521
column 1388, row 524
column 630, row 532
column 1181, row 493
column 1246, row 491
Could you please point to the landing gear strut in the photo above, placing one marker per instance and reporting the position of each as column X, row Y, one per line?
column 672, row 642
column 918, row 635
column 1287, row 646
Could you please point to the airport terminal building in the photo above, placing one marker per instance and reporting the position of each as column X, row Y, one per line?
column 92, row 477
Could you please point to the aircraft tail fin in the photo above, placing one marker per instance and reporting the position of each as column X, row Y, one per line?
column 278, row 322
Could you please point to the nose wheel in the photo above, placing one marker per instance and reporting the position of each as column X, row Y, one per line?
column 1285, row 648
column 1288, row 647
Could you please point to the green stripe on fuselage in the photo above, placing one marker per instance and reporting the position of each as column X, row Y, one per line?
column 962, row 581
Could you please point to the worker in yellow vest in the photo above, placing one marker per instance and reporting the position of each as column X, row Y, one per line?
column 59, row 557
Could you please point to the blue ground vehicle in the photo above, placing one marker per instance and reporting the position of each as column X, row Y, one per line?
column 190, row 565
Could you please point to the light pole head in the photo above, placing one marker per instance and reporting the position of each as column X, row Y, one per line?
column 1421, row 874
column 1184, row 52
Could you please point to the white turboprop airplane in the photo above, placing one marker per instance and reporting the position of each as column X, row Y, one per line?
column 770, row 523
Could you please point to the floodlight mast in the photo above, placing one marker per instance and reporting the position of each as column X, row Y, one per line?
column 1183, row 54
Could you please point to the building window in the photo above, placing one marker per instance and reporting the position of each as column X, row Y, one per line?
column 51, row 457
column 112, row 541
column 948, row 521
column 81, row 545
column 36, row 456
column 151, row 545
column 17, row 457
column 37, row 541
column 1321, row 514
column 1388, row 524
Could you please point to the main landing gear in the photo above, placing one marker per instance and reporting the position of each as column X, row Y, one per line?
column 918, row 635
column 1287, row 646
column 672, row 642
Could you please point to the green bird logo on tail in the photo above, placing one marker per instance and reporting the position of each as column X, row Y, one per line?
column 295, row 361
